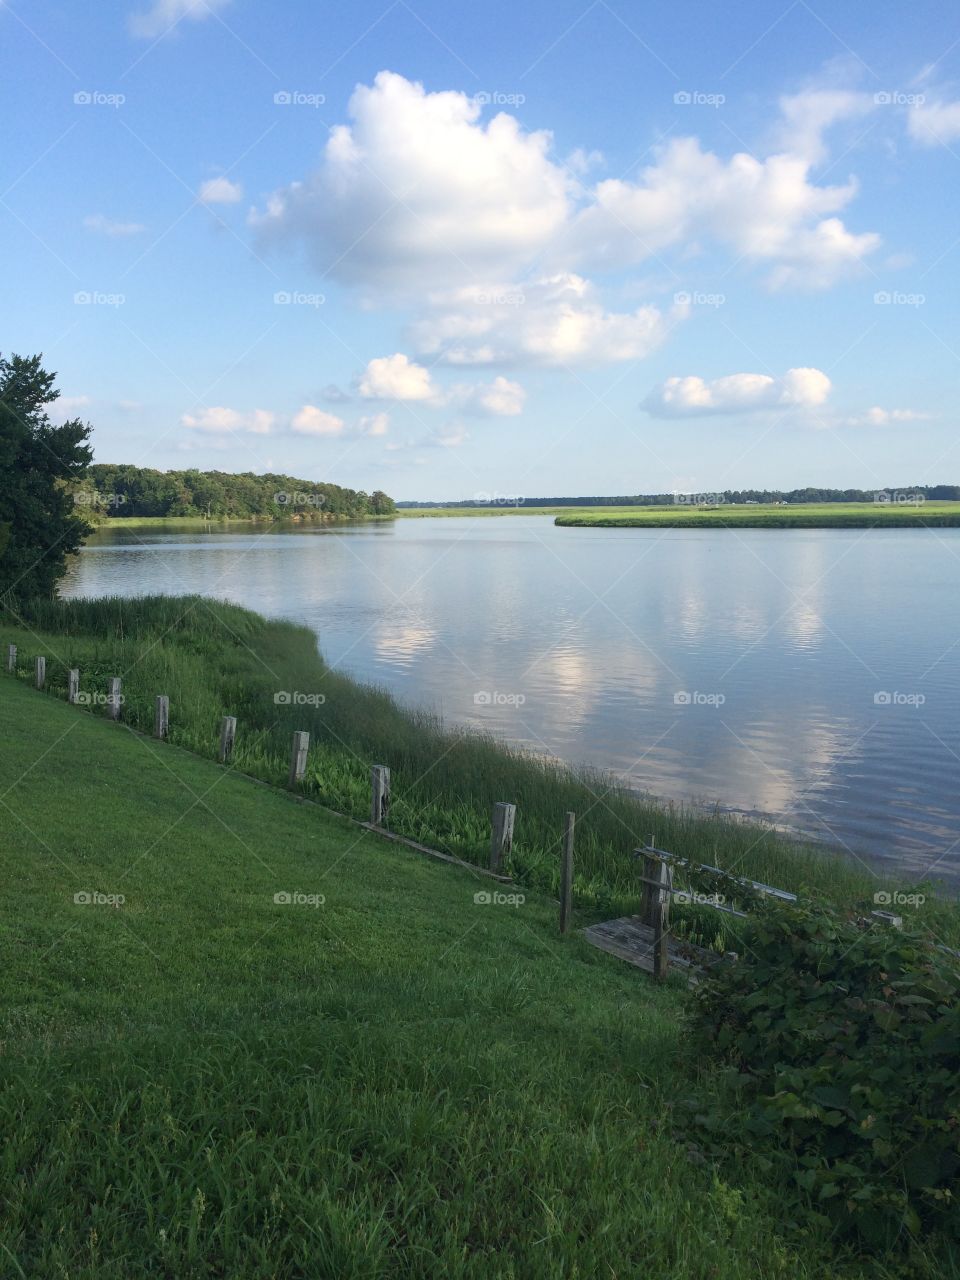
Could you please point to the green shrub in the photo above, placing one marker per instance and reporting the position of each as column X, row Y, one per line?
column 844, row 1039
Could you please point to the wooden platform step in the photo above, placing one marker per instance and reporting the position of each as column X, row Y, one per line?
column 630, row 939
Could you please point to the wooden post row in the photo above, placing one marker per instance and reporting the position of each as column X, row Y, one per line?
column 11, row 657
column 566, row 873
column 73, row 684
column 501, row 838
column 380, row 795
column 298, row 756
column 40, row 672
column 161, row 717
column 228, row 732
column 114, row 697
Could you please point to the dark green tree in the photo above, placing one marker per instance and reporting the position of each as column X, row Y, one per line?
column 40, row 465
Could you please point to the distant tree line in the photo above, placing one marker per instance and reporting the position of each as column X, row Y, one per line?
column 933, row 493
column 125, row 491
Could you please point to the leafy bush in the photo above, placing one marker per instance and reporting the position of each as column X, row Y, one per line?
column 844, row 1037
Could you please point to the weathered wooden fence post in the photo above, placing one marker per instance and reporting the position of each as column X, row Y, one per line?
column 501, row 838
column 566, row 873
column 661, row 926
column 380, row 795
column 73, row 684
column 161, row 716
column 40, row 672
column 228, row 731
column 11, row 657
column 298, row 756
column 114, row 697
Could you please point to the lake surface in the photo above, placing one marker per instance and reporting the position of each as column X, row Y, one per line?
column 805, row 676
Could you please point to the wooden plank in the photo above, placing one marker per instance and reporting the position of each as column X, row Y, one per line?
column 73, row 684
column 380, row 795
column 228, row 733
column 114, row 697
column 661, row 928
column 11, row 657
column 566, row 873
column 40, row 672
column 768, row 889
column 161, row 717
column 501, row 835
column 298, row 756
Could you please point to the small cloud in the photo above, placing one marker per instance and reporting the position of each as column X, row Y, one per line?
column 878, row 417
column 220, row 420
column 107, row 227
column 68, row 405
column 395, row 377
column 377, row 424
column 220, row 191
column 129, row 406
column 311, row 421
column 164, row 15
column 934, row 124
column 738, row 393
column 332, row 394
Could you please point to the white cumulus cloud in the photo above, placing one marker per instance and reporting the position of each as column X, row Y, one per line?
column 374, row 424
column 738, row 393
column 311, row 421
column 396, row 377
column 219, row 420
column 220, row 191
column 554, row 321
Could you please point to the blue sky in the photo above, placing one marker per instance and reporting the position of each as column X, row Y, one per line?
column 449, row 251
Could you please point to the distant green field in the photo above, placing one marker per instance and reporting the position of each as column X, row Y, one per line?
column 827, row 515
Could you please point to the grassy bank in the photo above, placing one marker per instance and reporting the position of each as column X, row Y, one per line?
column 198, row 1081
column 213, row 659
column 199, row 522
column 826, row 515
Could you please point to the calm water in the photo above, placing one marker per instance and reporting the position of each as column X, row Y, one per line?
column 809, row 676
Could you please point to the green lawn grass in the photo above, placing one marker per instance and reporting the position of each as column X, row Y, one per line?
column 824, row 515
column 201, row 1082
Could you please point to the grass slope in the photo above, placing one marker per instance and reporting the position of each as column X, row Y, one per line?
column 400, row 1082
column 826, row 515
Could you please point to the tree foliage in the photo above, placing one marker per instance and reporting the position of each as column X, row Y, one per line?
column 125, row 491
column 40, row 524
